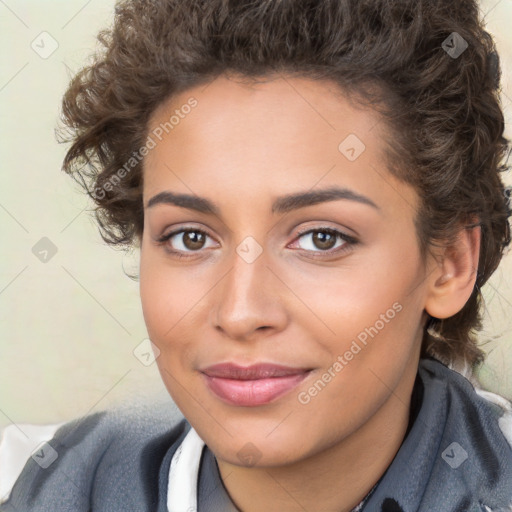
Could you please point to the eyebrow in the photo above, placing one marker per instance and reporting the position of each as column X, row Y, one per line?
column 282, row 204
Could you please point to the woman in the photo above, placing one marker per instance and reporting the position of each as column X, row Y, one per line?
column 315, row 191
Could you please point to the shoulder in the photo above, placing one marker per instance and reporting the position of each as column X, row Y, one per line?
column 455, row 455
column 502, row 409
column 88, row 457
column 474, row 454
column 481, row 405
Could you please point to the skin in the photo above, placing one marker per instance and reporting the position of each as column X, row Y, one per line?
column 241, row 147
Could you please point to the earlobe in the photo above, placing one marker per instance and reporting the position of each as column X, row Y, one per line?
column 453, row 279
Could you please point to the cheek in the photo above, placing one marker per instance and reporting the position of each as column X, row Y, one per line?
column 167, row 305
column 156, row 300
column 368, row 312
column 159, row 297
column 375, row 325
column 175, row 308
column 342, row 301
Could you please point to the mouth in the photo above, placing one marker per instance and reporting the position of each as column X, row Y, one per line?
column 254, row 385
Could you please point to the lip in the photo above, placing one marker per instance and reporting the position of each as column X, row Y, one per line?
column 253, row 385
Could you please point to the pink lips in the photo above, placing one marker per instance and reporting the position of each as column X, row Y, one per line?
column 254, row 385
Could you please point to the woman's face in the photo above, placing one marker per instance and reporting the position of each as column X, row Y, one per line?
column 333, row 283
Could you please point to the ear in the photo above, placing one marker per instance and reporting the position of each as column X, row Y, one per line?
column 453, row 279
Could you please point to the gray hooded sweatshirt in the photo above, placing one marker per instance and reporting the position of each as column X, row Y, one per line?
column 454, row 458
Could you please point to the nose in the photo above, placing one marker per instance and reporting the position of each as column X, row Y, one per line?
column 249, row 300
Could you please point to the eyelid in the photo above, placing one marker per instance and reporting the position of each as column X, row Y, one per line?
column 180, row 229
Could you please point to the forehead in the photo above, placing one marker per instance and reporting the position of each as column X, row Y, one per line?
column 233, row 102
column 281, row 133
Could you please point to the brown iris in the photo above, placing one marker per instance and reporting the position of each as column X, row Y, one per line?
column 193, row 240
column 324, row 239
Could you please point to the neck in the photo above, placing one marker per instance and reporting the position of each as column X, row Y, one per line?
column 337, row 478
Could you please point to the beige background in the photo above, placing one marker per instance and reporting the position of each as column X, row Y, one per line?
column 69, row 326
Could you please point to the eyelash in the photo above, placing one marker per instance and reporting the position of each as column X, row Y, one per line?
column 349, row 240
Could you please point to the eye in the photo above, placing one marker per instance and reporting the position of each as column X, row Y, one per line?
column 185, row 240
column 324, row 240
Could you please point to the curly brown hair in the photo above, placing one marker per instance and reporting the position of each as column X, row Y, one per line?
column 428, row 66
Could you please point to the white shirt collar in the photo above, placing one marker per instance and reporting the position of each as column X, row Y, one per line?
column 184, row 474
